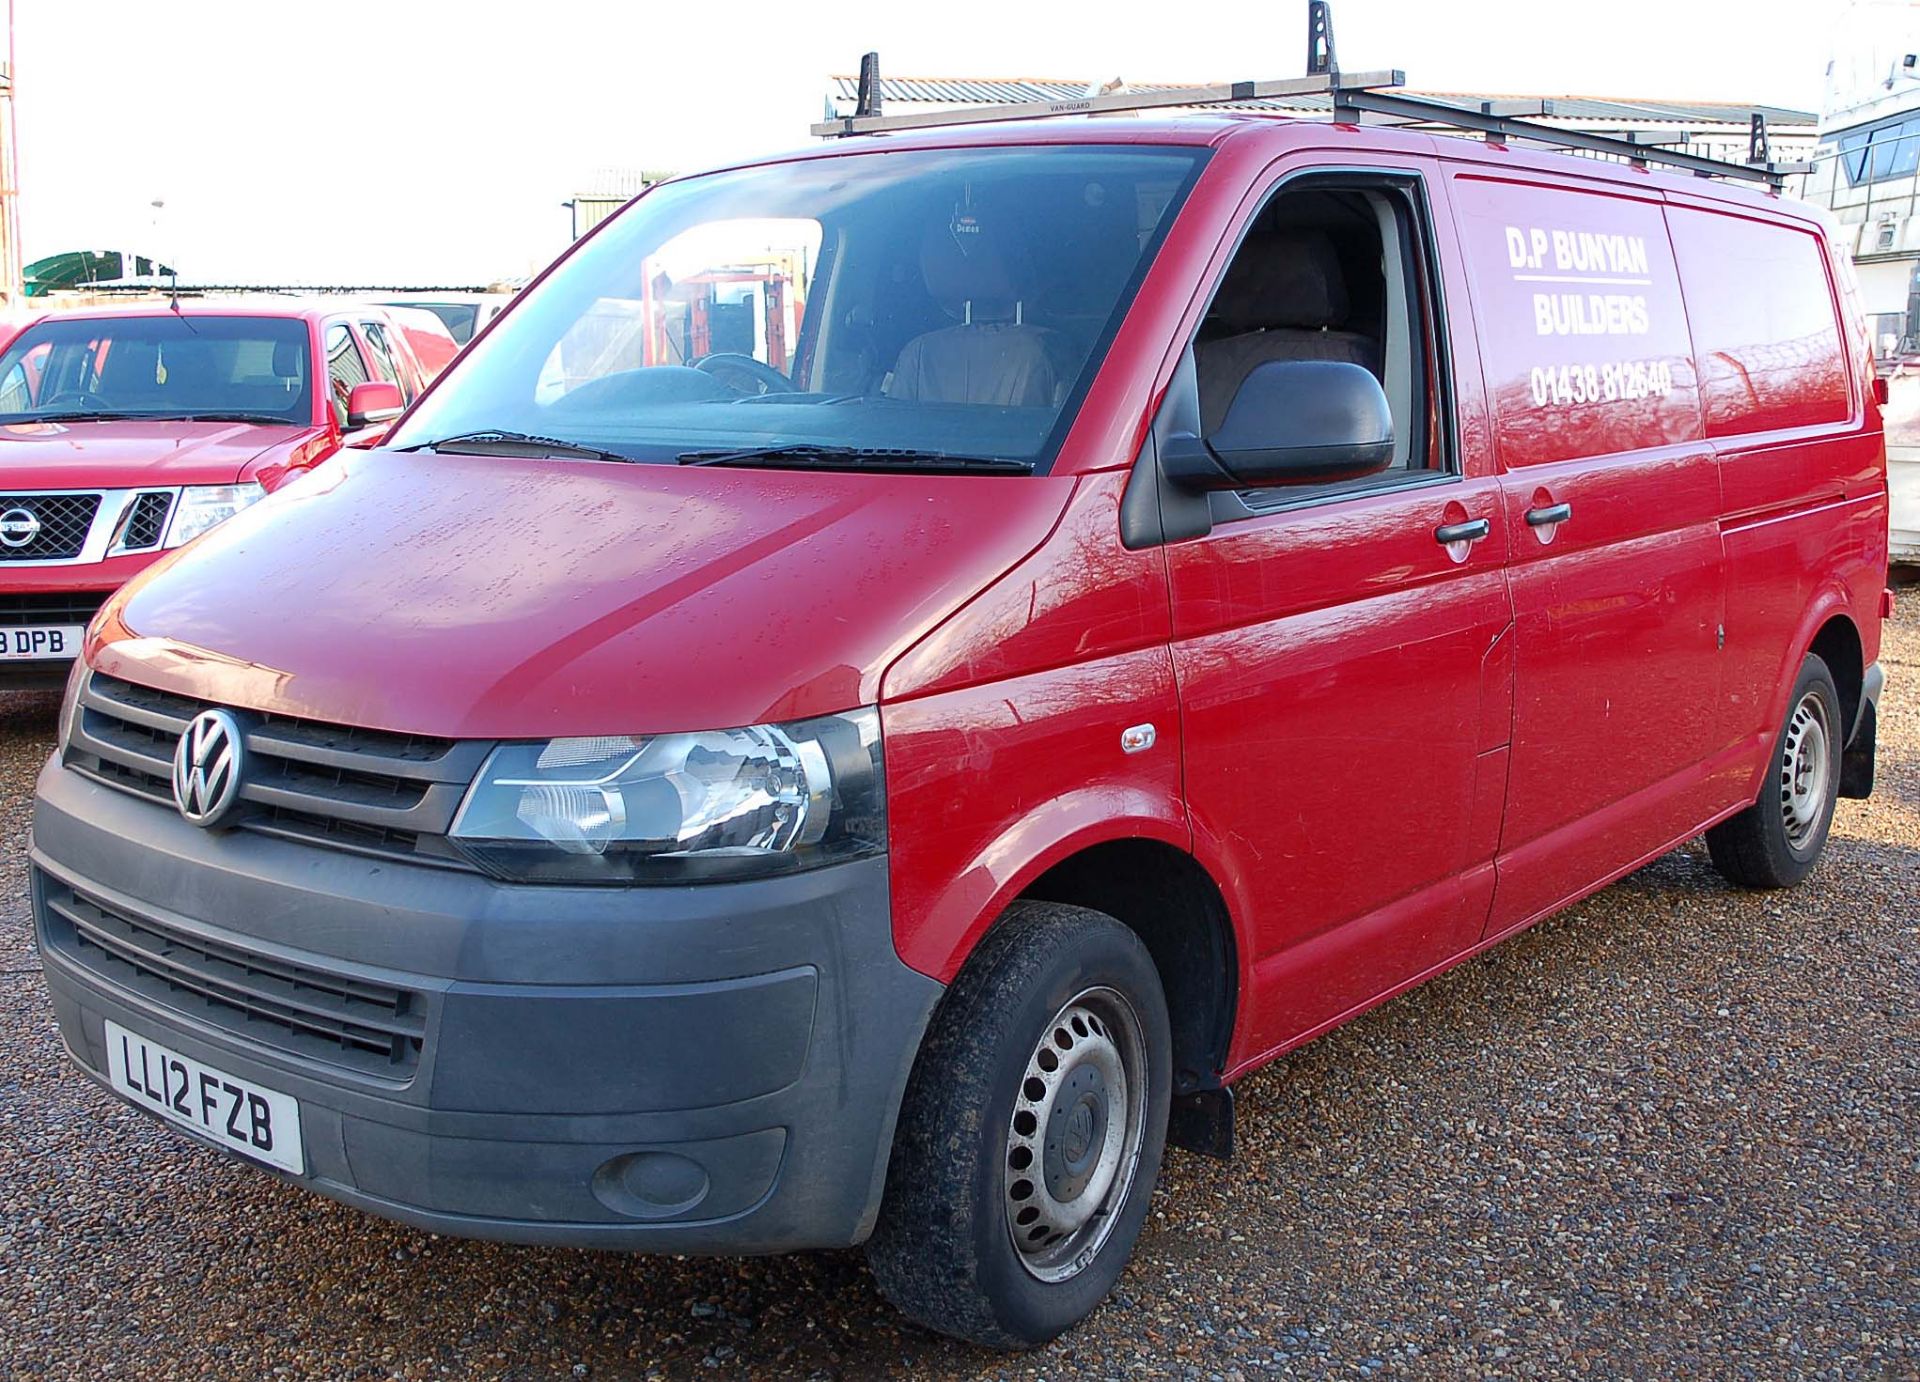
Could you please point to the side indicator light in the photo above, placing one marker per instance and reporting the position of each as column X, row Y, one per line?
column 1137, row 738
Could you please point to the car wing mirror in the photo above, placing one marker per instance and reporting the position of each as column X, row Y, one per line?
column 1292, row 422
column 373, row 402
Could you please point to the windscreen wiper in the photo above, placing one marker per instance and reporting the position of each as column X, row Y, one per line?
column 217, row 415
column 815, row 456
column 135, row 415
column 494, row 441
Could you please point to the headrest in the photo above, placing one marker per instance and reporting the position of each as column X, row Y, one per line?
column 287, row 359
column 965, row 261
column 1286, row 278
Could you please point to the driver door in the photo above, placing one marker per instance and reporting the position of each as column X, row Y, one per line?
column 1343, row 672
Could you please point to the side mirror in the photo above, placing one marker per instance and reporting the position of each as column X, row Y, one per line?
column 1293, row 422
column 373, row 402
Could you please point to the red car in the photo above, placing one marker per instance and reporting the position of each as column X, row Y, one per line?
column 891, row 677
column 127, row 431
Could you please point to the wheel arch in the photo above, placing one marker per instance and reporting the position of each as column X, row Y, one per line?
column 1838, row 644
column 1165, row 897
column 1828, row 627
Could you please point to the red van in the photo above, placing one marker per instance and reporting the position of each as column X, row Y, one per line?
column 126, row 431
column 892, row 676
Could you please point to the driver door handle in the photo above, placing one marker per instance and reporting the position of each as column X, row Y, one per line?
column 1471, row 531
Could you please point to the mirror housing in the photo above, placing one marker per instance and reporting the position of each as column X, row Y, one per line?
column 1330, row 418
column 375, row 401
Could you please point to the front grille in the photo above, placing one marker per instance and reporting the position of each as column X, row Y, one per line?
column 366, row 791
column 64, row 522
column 146, row 521
column 51, row 608
column 372, row 1028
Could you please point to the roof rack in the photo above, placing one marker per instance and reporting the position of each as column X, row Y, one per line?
column 1353, row 95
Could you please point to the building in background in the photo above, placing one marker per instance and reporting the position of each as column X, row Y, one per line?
column 1868, row 163
column 611, row 189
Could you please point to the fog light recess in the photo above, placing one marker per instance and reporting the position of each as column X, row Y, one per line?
column 651, row 1185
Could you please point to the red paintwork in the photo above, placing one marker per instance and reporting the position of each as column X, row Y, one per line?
column 129, row 454
column 427, row 337
column 553, row 598
column 1385, row 755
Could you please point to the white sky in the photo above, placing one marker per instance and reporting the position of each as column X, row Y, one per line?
column 433, row 141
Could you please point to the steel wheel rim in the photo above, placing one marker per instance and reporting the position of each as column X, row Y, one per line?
column 1806, row 770
column 1074, row 1137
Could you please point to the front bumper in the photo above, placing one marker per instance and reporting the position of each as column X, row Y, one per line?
column 711, row 1069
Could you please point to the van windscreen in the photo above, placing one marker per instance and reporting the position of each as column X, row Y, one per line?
column 917, row 304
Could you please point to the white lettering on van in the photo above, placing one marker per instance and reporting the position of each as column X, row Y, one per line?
column 1613, row 382
column 1577, row 256
column 1590, row 314
column 1599, row 252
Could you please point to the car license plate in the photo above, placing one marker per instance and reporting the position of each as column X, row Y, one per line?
column 236, row 1114
column 42, row 642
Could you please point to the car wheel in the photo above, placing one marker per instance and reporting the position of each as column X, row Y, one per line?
column 1031, row 1132
column 1776, row 842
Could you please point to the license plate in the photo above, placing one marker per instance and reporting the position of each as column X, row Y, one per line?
column 42, row 642
column 234, row 1113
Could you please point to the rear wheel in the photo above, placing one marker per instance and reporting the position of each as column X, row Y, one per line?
column 1031, row 1133
column 1776, row 842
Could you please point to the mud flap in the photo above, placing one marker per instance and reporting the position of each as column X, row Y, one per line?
column 1203, row 1122
column 1856, row 764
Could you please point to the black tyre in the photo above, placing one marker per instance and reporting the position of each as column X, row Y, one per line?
column 1776, row 842
column 1031, row 1133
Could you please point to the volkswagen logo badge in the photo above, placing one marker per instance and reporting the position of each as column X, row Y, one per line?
column 207, row 768
column 18, row 527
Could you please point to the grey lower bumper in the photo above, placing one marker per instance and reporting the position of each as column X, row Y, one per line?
column 687, row 1070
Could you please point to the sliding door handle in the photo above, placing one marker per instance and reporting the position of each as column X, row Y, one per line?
column 1471, row 531
column 1547, row 517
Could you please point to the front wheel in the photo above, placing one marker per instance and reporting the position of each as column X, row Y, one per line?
column 1776, row 842
column 1031, row 1132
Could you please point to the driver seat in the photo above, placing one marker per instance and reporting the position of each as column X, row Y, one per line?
column 992, row 357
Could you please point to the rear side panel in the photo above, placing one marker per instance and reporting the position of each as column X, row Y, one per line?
column 1800, row 459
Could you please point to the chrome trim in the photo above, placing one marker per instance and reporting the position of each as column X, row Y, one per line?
column 103, row 537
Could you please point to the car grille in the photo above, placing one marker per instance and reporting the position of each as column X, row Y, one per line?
column 51, row 608
column 373, row 1028
column 366, row 791
column 65, row 520
column 146, row 521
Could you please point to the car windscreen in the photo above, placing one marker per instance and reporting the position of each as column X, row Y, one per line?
column 915, row 303
column 457, row 316
column 97, row 368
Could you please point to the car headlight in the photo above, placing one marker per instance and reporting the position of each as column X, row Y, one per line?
column 679, row 808
column 205, row 506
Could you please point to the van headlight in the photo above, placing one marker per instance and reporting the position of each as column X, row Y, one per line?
column 207, row 506
column 679, row 808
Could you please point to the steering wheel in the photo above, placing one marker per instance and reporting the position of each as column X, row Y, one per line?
column 723, row 363
column 84, row 397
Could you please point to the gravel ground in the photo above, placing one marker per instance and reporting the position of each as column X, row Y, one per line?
column 1671, row 1133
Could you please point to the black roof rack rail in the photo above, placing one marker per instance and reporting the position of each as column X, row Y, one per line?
column 1353, row 95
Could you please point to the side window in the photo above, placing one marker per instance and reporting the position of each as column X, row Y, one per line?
column 385, row 367
column 1331, row 272
column 20, row 390
column 345, row 368
column 1766, row 359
